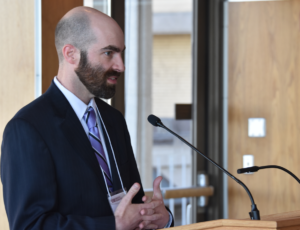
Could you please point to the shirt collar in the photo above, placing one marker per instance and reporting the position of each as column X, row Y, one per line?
column 78, row 106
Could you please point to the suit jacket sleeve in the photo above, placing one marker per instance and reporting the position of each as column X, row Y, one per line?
column 134, row 173
column 26, row 167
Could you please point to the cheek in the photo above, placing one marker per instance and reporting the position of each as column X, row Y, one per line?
column 105, row 63
column 94, row 58
column 101, row 62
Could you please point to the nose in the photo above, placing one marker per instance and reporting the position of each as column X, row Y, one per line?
column 119, row 64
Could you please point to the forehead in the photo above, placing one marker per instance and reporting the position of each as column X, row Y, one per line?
column 108, row 36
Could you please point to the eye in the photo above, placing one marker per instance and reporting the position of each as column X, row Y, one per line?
column 108, row 53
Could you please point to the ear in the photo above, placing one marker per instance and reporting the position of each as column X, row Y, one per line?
column 71, row 54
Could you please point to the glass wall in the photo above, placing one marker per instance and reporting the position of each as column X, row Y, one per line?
column 158, row 76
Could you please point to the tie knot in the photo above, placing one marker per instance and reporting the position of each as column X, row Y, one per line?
column 90, row 117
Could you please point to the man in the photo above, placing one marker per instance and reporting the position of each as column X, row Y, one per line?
column 65, row 154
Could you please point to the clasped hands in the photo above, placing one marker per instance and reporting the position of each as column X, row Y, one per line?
column 150, row 215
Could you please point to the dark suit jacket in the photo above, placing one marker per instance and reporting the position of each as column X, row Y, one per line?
column 51, row 177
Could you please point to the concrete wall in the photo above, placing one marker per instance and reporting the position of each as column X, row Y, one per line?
column 171, row 73
column 160, row 6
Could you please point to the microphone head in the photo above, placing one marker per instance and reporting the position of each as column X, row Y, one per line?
column 154, row 120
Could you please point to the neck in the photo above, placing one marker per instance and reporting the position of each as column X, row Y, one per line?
column 72, row 83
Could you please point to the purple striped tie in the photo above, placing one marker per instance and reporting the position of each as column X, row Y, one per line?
column 94, row 137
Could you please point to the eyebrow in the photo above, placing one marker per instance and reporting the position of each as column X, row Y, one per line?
column 113, row 48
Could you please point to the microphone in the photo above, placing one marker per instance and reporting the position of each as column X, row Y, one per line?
column 248, row 170
column 256, row 168
column 254, row 214
column 155, row 121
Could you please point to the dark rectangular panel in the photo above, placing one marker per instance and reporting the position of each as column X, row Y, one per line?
column 183, row 111
column 118, row 14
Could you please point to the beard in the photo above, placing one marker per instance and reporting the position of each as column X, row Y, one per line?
column 94, row 78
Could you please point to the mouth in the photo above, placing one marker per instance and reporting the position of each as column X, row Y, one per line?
column 112, row 80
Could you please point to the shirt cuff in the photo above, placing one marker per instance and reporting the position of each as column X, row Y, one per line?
column 170, row 221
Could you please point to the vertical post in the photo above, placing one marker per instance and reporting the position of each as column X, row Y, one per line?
column 225, row 107
column 183, row 184
column 171, row 180
column 138, row 62
column 159, row 168
column 38, row 47
column 200, row 92
column 132, row 71
column 216, row 95
column 118, row 14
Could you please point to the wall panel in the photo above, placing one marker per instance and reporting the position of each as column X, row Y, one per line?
column 17, row 65
column 264, row 70
column 52, row 12
column 17, row 57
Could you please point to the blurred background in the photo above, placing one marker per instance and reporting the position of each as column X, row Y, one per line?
column 206, row 68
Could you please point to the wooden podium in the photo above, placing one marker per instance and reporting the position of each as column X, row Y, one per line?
column 283, row 221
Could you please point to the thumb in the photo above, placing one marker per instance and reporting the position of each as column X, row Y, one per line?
column 131, row 193
column 156, row 188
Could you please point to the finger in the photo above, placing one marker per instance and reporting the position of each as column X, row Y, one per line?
column 146, row 199
column 144, row 223
column 131, row 193
column 153, row 217
column 152, row 205
column 156, row 188
column 147, row 212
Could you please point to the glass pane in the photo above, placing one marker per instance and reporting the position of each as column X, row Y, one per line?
column 101, row 5
column 158, row 76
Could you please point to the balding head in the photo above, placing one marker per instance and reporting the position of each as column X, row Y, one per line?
column 77, row 28
column 89, row 46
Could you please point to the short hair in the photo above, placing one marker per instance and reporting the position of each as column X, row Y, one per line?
column 75, row 30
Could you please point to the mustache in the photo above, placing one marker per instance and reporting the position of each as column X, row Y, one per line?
column 112, row 73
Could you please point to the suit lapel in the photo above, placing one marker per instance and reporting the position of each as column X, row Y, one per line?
column 75, row 134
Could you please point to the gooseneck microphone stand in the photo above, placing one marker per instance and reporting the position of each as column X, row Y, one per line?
column 256, row 168
column 254, row 214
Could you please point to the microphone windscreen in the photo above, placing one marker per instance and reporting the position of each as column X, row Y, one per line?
column 153, row 120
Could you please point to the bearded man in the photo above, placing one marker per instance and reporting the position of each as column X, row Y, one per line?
column 67, row 161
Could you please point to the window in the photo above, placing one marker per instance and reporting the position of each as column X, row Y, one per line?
column 158, row 76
